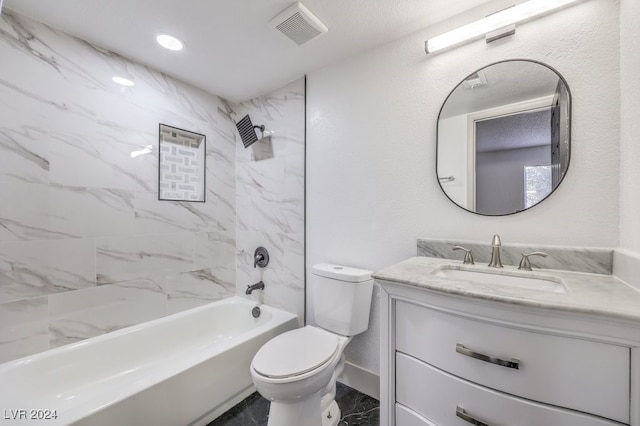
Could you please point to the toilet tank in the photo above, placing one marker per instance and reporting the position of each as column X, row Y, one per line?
column 341, row 298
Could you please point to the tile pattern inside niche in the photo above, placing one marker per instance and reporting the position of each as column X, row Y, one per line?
column 357, row 409
column 182, row 164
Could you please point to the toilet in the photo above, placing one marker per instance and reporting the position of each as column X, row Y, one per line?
column 297, row 370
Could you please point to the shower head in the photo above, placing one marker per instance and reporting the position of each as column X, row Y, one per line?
column 247, row 131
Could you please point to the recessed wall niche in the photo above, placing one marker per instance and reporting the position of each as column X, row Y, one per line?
column 182, row 165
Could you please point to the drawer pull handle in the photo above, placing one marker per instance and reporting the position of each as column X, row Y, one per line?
column 464, row 416
column 511, row 363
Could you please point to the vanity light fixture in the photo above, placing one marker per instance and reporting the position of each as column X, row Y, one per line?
column 122, row 81
column 504, row 19
column 169, row 42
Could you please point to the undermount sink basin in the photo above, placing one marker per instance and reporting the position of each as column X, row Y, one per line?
column 504, row 278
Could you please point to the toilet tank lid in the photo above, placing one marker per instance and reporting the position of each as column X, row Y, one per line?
column 342, row 273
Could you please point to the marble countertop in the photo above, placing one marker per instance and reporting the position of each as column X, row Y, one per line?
column 585, row 292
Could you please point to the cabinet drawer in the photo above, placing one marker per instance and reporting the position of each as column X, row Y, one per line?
column 407, row 417
column 436, row 396
column 573, row 373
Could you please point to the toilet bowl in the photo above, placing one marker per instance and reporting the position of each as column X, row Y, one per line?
column 297, row 370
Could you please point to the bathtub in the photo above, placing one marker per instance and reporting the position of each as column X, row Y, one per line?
column 183, row 369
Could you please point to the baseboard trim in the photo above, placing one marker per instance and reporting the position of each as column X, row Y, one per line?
column 361, row 379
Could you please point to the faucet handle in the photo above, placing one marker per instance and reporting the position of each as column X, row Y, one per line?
column 525, row 264
column 468, row 257
column 260, row 257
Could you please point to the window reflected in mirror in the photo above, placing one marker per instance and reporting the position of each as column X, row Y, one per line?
column 537, row 184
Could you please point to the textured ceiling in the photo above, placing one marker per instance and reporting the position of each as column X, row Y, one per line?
column 506, row 83
column 230, row 49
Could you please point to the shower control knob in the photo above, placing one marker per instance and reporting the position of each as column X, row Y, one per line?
column 260, row 257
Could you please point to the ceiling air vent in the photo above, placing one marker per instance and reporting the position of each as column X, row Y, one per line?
column 298, row 24
column 476, row 79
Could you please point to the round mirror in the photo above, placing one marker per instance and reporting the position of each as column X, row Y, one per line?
column 504, row 137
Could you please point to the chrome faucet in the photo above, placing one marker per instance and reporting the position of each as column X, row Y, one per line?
column 257, row 286
column 495, row 252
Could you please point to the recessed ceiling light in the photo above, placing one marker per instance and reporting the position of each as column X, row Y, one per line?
column 169, row 42
column 123, row 81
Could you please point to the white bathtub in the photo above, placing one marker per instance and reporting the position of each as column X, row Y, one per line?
column 184, row 369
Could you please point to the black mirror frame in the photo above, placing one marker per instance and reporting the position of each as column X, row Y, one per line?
column 566, row 85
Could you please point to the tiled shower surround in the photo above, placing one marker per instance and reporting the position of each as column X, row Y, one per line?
column 85, row 245
column 270, row 198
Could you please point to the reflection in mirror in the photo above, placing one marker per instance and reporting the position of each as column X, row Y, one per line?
column 504, row 137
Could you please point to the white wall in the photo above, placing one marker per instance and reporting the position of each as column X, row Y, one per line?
column 371, row 120
column 629, row 125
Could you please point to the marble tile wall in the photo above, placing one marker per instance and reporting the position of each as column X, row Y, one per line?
column 270, row 198
column 85, row 245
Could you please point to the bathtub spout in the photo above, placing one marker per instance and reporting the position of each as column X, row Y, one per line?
column 257, row 286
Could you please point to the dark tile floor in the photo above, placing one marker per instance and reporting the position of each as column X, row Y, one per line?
column 357, row 409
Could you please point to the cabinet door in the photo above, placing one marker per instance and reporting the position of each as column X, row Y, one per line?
column 582, row 375
column 445, row 399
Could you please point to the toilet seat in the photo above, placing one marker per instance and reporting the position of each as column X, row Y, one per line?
column 295, row 353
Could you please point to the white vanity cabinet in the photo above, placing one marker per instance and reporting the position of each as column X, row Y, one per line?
column 452, row 360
